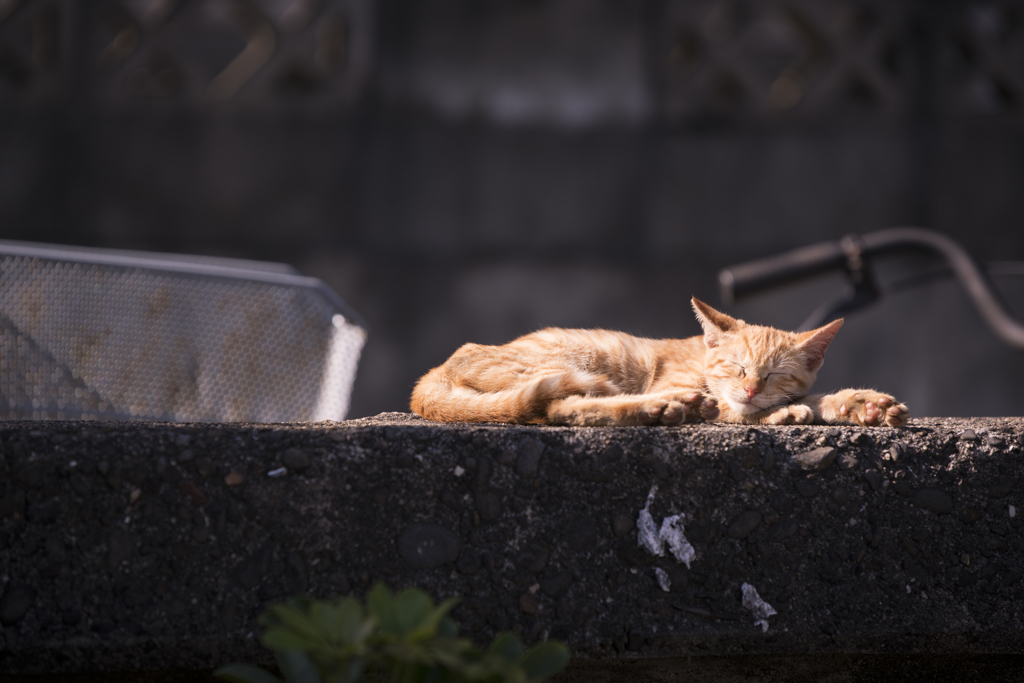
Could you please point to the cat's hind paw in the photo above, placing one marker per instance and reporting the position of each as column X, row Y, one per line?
column 871, row 409
column 796, row 414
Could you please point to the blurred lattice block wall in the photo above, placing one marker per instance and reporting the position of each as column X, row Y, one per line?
column 470, row 171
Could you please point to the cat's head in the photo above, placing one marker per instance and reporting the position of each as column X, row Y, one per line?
column 753, row 368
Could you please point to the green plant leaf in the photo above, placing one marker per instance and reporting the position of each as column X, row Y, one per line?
column 545, row 660
column 508, row 647
column 380, row 603
column 302, row 603
column 456, row 654
column 428, row 626
column 283, row 639
column 513, row 674
column 340, row 621
column 447, row 627
column 355, row 670
column 297, row 621
column 452, row 644
column 403, row 636
column 412, row 609
column 245, row 673
column 366, row 629
column 296, row 667
column 412, row 653
column 438, row 674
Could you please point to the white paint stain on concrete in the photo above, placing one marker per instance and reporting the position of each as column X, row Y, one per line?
column 758, row 607
column 663, row 580
column 654, row 539
column 671, row 533
column 647, row 536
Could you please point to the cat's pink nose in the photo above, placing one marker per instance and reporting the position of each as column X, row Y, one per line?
column 751, row 393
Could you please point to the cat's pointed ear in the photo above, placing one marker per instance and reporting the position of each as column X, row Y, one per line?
column 815, row 343
column 715, row 323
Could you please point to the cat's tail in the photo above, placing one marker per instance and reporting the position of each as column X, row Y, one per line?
column 436, row 397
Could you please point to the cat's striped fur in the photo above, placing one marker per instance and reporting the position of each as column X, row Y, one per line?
column 735, row 372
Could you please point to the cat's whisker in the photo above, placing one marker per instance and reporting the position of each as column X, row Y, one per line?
column 789, row 364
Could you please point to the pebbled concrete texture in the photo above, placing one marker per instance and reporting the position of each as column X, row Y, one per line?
column 147, row 546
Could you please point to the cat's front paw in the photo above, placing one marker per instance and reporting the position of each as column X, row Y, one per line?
column 871, row 409
column 796, row 414
column 689, row 406
column 664, row 411
column 652, row 412
column 674, row 409
column 708, row 407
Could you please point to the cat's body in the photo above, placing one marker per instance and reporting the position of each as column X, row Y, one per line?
column 735, row 372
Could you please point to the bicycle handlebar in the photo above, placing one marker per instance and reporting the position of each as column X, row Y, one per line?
column 753, row 276
column 746, row 278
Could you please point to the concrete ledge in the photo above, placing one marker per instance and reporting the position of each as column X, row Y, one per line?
column 141, row 546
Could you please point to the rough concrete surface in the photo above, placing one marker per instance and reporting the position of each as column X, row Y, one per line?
column 133, row 547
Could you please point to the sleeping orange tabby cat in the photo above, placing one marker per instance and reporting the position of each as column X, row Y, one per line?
column 736, row 372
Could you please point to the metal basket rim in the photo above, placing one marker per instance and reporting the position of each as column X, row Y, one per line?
column 183, row 264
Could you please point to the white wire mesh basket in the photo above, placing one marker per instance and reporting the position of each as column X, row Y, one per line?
column 104, row 334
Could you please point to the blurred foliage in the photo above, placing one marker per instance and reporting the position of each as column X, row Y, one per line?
column 402, row 638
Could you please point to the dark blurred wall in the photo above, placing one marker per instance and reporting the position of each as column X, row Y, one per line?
column 471, row 170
